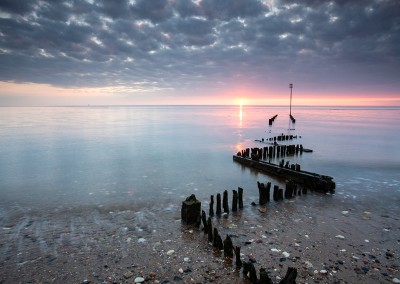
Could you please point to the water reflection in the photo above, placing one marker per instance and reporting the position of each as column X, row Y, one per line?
column 240, row 116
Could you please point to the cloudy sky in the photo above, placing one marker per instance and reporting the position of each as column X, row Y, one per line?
column 77, row 52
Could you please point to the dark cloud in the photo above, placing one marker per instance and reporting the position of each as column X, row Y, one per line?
column 178, row 43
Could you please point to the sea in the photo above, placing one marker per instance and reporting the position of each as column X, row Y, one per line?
column 67, row 157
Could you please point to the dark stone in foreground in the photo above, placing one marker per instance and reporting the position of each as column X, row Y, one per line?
column 190, row 211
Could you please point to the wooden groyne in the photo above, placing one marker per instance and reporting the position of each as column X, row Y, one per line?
column 313, row 181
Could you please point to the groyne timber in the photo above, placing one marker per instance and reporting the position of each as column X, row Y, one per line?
column 313, row 181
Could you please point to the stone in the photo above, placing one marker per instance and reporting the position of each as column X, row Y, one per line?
column 139, row 280
column 170, row 252
column 128, row 274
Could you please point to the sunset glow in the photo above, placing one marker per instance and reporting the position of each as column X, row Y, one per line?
column 202, row 54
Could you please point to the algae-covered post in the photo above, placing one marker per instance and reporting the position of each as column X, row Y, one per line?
column 234, row 200
column 240, row 193
column 225, row 204
column 264, row 277
column 190, row 211
column 209, row 230
column 237, row 255
column 218, row 212
column 290, row 277
column 211, row 211
column 250, row 272
column 228, row 247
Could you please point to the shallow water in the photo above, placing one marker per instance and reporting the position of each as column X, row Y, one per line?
column 78, row 156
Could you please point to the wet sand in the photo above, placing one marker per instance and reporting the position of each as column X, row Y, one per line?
column 328, row 238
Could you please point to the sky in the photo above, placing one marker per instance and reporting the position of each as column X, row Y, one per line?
column 150, row 52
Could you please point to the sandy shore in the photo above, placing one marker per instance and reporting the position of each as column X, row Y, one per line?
column 329, row 239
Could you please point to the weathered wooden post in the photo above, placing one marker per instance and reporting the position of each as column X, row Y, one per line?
column 264, row 277
column 250, row 272
column 276, row 193
column 225, row 202
column 211, row 211
column 237, row 255
column 217, row 242
column 218, row 204
column 268, row 191
column 280, row 194
column 204, row 219
column 240, row 192
column 289, row 189
column 209, row 230
column 290, row 277
column 190, row 211
column 228, row 247
column 234, row 201
column 262, row 193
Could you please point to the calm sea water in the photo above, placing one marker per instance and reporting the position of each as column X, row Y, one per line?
column 54, row 157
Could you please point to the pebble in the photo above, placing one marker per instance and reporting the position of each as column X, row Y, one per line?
column 323, row 271
column 139, row 280
column 170, row 252
column 308, row 264
column 128, row 274
column 345, row 212
column 186, row 259
column 396, row 280
column 142, row 240
column 389, row 253
column 340, row 237
column 286, row 254
column 275, row 250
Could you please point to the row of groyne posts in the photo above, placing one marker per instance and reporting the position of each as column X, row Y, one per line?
column 190, row 213
column 276, row 151
column 273, row 150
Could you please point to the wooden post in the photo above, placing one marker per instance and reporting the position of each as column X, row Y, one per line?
column 240, row 191
column 218, row 204
column 276, row 193
column 225, row 204
column 217, row 243
column 228, row 247
column 190, row 211
column 268, row 189
column 209, row 230
column 250, row 272
column 237, row 254
column 211, row 211
column 204, row 219
column 290, row 277
column 234, row 201
column 264, row 277
column 262, row 193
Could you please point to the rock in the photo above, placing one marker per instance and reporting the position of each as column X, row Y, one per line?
column 177, row 278
column 186, row 259
column 396, row 280
column 139, row 280
column 170, row 252
column 389, row 253
column 323, row 271
column 308, row 264
column 340, row 237
column 86, row 281
column 128, row 274
column 152, row 275
column 142, row 240
column 286, row 254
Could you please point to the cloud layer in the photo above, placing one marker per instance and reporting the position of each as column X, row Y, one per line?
column 181, row 45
